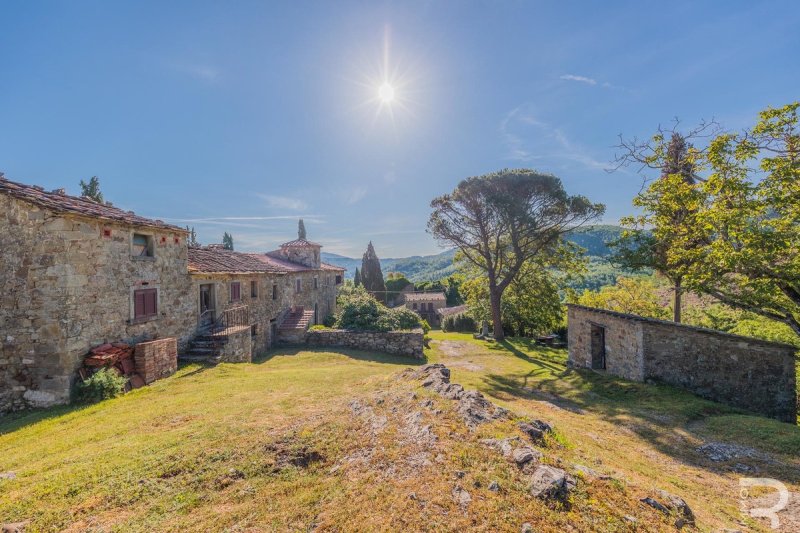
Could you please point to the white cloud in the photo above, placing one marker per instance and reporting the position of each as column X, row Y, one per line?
column 283, row 202
column 355, row 195
column 581, row 79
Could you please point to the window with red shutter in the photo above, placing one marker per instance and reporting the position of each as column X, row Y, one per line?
column 145, row 304
column 236, row 291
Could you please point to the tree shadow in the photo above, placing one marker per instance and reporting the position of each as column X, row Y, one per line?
column 12, row 422
column 660, row 414
column 358, row 355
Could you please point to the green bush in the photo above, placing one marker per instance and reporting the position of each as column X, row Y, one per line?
column 359, row 311
column 317, row 327
column 104, row 384
column 460, row 322
column 426, row 328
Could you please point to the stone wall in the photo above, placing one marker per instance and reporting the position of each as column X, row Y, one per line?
column 67, row 286
column 156, row 359
column 238, row 348
column 623, row 342
column 748, row 373
column 406, row 343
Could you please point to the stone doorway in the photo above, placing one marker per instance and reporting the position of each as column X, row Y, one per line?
column 207, row 305
column 598, row 347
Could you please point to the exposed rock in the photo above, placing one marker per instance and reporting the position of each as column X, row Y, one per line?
column 549, row 483
column 16, row 527
column 535, row 429
column 475, row 409
column 654, row 504
column 527, row 528
column 525, row 455
column 591, row 473
column 461, row 496
column 8, row 475
column 672, row 505
column 494, row 486
column 720, row 452
column 504, row 446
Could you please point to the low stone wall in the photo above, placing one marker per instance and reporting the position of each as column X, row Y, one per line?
column 239, row 347
column 405, row 343
column 740, row 371
column 156, row 359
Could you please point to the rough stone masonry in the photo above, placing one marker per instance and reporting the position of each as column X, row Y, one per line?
column 743, row 372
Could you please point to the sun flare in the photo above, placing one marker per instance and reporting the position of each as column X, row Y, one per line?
column 386, row 93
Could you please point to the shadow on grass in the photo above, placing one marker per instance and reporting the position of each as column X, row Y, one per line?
column 657, row 413
column 359, row 355
column 15, row 421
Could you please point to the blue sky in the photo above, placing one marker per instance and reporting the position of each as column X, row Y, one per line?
column 243, row 116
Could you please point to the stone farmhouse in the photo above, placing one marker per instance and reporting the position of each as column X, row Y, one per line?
column 740, row 371
column 426, row 304
column 77, row 273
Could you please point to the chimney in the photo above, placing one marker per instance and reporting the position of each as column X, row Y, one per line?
column 59, row 191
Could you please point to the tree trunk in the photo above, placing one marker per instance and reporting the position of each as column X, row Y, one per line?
column 676, row 317
column 497, row 320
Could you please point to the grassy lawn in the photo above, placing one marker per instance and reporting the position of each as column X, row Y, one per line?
column 275, row 445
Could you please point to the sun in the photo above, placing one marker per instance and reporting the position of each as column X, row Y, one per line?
column 386, row 93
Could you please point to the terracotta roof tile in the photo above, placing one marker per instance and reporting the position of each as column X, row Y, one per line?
column 424, row 296
column 59, row 202
column 447, row 311
column 221, row 261
column 299, row 243
column 332, row 268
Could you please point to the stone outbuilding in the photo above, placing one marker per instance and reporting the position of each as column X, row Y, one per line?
column 426, row 304
column 743, row 372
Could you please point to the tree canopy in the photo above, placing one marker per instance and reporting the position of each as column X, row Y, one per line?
column 499, row 221
column 92, row 189
column 371, row 274
column 227, row 241
column 301, row 229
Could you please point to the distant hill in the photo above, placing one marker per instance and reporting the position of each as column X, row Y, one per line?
column 432, row 267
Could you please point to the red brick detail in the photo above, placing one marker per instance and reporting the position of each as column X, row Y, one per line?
column 156, row 359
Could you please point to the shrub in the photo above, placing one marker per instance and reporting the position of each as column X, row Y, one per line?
column 329, row 320
column 460, row 322
column 426, row 328
column 359, row 311
column 104, row 384
column 317, row 327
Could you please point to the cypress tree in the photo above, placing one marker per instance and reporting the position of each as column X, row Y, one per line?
column 357, row 278
column 227, row 241
column 301, row 230
column 371, row 274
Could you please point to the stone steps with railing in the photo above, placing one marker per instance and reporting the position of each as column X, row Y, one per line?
column 210, row 339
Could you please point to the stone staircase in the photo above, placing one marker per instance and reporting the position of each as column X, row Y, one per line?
column 204, row 348
column 294, row 326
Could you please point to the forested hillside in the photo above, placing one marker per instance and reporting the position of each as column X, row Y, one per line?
column 434, row 267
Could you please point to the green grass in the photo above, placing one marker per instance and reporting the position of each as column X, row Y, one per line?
column 207, row 448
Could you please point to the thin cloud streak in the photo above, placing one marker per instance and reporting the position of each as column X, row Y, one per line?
column 581, row 79
column 283, row 202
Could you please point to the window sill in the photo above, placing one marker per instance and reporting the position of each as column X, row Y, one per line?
column 142, row 320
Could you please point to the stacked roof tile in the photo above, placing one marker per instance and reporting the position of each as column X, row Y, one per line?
column 60, row 202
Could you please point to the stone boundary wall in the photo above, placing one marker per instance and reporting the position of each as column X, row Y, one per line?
column 239, row 347
column 405, row 343
column 156, row 359
column 743, row 372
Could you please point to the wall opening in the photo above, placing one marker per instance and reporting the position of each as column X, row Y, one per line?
column 598, row 347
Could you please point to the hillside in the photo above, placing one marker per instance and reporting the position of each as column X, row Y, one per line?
column 348, row 441
column 433, row 267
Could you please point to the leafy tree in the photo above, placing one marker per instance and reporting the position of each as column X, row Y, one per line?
column 359, row 310
column 227, row 241
column 502, row 220
column 301, row 230
column 191, row 239
column 395, row 283
column 357, row 278
column 669, row 205
column 92, row 189
column 638, row 296
column 371, row 274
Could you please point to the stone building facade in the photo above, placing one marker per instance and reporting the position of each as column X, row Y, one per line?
column 748, row 373
column 77, row 273
column 426, row 304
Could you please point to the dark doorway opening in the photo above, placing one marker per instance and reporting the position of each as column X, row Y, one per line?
column 273, row 332
column 206, row 305
column 598, row 347
column 316, row 314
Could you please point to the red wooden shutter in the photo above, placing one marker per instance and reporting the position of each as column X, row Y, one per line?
column 150, row 302
column 138, row 304
column 236, row 294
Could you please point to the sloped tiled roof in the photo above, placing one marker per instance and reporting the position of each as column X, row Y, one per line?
column 299, row 243
column 62, row 203
column 447, row 311
column 221, row 261
column 424, row 296
column 332, row 268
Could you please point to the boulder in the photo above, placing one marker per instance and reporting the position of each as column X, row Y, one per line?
column 461, row 496
column 549, row 483
column 535, row 430
column 524, row 455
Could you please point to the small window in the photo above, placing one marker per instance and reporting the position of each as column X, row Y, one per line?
column 414, row 306
column 274, row 291
column 338, row 280
column 253, row 330
column 236, row 291
column 430, row 306
column 253, row 289
column 142, row 245
column 145, row 304
column 298, row 286
column 316, row 282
